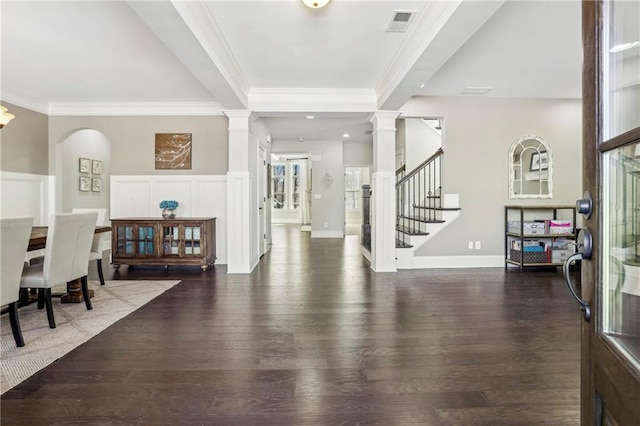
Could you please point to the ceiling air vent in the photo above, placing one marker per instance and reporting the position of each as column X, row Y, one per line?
column 476, row 90
column 368, row 132
column 400, row 21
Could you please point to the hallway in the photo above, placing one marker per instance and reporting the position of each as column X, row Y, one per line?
column 314, row 337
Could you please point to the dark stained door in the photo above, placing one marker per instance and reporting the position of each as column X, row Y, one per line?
column 610, row 386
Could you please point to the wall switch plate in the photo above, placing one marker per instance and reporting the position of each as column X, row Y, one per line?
column 470, row 245
column 317, row 196
column 478, row 245
column 326, row 224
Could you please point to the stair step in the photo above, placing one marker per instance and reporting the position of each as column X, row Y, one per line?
column 402, row 244
column 423, row 220
column 440, row 209
column 410, row 231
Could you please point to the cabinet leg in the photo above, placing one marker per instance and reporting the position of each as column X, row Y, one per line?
column 204, row 267
column 116, row 266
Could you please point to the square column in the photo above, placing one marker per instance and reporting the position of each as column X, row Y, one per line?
column 383, row 187
column 239, row 205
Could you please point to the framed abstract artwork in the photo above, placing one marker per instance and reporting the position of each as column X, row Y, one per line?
column 173, row 151
column 96, row 167
column 85, row 183
column 84, row 165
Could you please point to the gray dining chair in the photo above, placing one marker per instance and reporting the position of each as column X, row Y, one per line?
column 66, row 258
column 99, row 240
column 14, row 240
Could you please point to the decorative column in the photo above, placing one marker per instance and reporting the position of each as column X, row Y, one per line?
column 239, row 226
column 383, row 197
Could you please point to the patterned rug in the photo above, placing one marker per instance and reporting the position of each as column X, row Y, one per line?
column 74, row 326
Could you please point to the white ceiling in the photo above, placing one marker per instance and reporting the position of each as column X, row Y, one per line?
column 281, row 58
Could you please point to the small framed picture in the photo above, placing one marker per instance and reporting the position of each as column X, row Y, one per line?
column 85, row 183
column 96, row 184
column 84, row 165
column 96, row 167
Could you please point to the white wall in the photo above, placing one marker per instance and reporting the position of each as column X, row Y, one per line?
column 477, row 135
column 421, row 142
column 198, row 196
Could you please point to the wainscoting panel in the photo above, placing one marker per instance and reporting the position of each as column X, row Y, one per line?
column 197, row 195
column 24, row 194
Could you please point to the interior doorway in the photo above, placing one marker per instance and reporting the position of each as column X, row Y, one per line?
column 354, row 178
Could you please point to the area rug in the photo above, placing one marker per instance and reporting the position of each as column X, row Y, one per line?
column 74, row 326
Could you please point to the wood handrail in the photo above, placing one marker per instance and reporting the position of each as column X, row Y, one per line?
column 415, row 171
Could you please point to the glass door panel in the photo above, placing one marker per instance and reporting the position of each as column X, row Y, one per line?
column 621, row 59
column 278, row 185
column 171, row 240
column 621, row 246
column 124, row 241
column 191, row 240
column 146, row 240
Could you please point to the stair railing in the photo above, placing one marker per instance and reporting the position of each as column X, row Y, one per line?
column 418, row 195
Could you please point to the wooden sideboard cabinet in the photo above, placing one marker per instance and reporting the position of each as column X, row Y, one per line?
column 157, row 241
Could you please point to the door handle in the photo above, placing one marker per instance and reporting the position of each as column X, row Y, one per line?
column 584, row 306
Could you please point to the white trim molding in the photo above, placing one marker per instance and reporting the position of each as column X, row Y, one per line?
column 135, row 108
column 432, row 262
column 239, row 223
column 327, row 234
column 27, row 195
column 303, row 99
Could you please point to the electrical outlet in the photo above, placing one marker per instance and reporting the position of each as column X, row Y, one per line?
column 470, row 245
column 478, row 245
column 326, row 224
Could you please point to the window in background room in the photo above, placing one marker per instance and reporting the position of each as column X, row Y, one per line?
column 352, row 188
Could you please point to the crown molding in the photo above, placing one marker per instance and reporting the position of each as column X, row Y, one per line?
column 38, row 106
column 135, row 108
column 320, row 100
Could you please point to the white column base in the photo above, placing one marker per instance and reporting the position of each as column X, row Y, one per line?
column 238, row 223
column 383, row 222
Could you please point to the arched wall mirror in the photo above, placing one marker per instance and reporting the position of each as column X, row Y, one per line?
column 530, row 168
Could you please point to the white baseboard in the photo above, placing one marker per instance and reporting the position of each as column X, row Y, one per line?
column 327, row 234
column 431, row 262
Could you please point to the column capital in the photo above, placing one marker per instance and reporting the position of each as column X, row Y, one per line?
column 249, row 115
column 383, row 115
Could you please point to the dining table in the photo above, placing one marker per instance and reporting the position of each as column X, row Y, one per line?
column 38, row 241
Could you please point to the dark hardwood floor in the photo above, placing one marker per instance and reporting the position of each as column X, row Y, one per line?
column 314, row 337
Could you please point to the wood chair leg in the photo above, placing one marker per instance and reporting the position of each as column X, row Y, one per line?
column 84, row 283
column 41, row 298
column 100, row 274
column 49, row 305
column 15, row 324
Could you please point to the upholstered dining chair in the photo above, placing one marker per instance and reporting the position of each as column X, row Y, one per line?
column 99, row 240
column 14, row 240
column 69, row 239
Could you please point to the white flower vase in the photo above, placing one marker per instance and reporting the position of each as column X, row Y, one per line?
column 168, row 213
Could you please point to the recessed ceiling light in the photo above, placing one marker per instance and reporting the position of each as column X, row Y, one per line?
column 346, row 135
column 422, row 86
column 301, row 139
column 311, row 117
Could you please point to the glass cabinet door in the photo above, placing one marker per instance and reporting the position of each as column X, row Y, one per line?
column 171, row 240
column 124, row 244
column 192, row 240
column 146, row 240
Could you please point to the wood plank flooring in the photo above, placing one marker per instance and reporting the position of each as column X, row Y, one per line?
column 314, row 337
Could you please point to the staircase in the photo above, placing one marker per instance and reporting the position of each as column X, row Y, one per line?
column 421, row 209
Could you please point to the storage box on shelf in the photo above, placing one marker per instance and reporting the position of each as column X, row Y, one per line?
column 539, row 235
column 156, row 241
